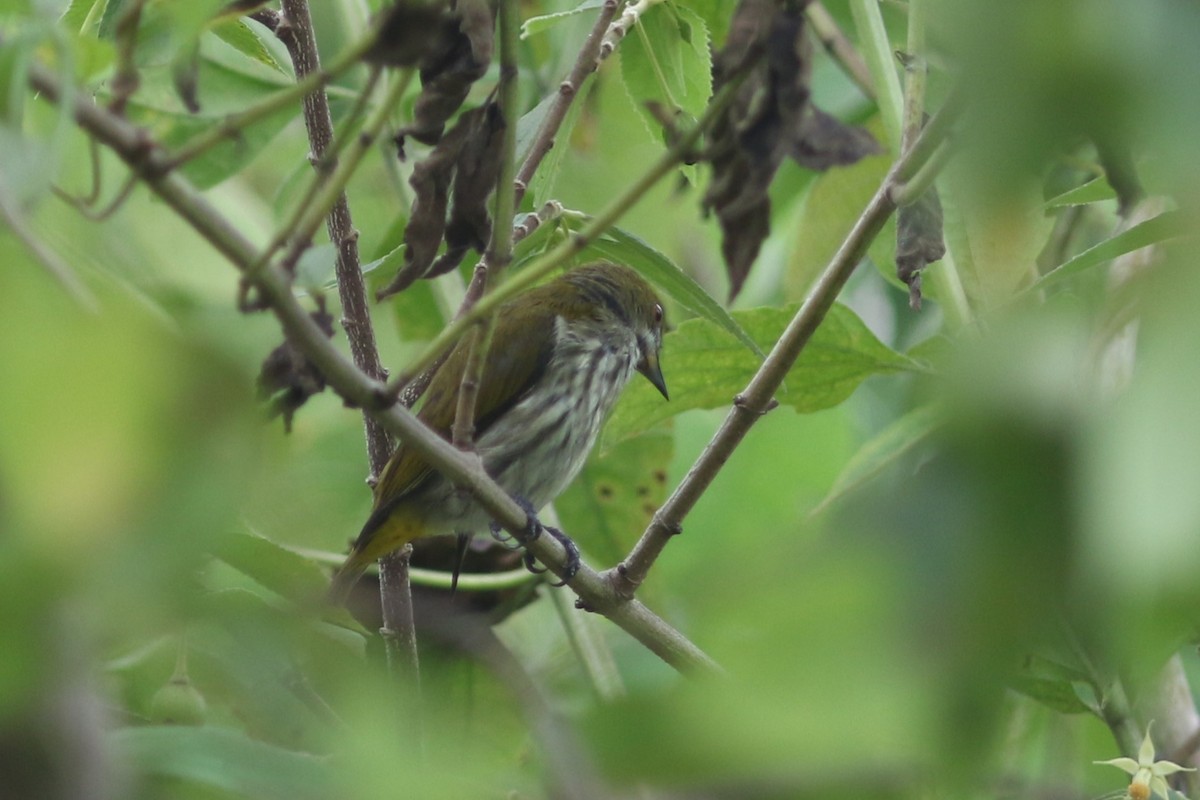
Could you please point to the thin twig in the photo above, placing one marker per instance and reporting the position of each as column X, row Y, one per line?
column 125, row 78
column 585, row 64
column 877, row 51
column 839, row 46
column 60, row 270
column 333, row 186
column 306, row 84
column 499, row 250
column 84, row 207
column 758, row 395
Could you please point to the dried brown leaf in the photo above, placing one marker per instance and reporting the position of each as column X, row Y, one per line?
column 288, row 378
column 771, row 118
column 919, row 241
column 459, row 55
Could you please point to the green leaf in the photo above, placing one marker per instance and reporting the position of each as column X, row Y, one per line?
column 1168, row 225
column 544, row 22
column 241, row 37
column 611, row 502
column 224, row 759
column 716, row 15
column 276, row 567
column 666, row 59
column 1091, row 192
column 625, row 248
column 1054, row 694
column 546, row 177
column 882, row 450
column 705, row 367
column 834, row 202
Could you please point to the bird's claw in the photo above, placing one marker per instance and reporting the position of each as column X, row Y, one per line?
column 533, row 529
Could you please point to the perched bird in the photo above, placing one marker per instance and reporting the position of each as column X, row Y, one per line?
column 560, row 355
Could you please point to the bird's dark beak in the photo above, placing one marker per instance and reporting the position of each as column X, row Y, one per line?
column 648, row 366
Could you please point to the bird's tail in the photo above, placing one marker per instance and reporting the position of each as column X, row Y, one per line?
column 385, row 531
column 347, row 575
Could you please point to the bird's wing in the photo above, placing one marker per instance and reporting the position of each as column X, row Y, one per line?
column 521, row 348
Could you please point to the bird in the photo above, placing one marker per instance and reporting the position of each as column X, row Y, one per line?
column 560, row 356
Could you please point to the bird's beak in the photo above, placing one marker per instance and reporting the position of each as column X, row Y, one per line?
column 648, row 366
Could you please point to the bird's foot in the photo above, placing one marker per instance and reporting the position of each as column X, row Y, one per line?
column 533, row 529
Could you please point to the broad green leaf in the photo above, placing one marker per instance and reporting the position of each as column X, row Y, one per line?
column 1003, row 235
column 283, row 571
column 224, row 759
column 705, row 367
column 544, row 22
column 228, row 157
column 716, row 15
column 665, row 59
column 1168, row 225
column 884, row 449
column 834, row 202
column 241, row 37
column 1060, row 696
column 1093, row 191
column 624, row 247
column 611, row 502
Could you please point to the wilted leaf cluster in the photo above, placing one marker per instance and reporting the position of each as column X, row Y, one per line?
column 771, row 117
column 453, row 48
column 458, row 175
column 451, row 59
column 289, row 378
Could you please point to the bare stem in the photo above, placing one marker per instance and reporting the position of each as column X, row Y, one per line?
column 499, row 251
column 568, row 90
column 758, row 396
column 296, row 32
column 840, row 47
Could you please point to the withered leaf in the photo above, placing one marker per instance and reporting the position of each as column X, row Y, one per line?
column 458, row 55
column 771, row 117
column 475, row 176
column 408, row 32
column 825, row 141
column 919, row 241
column 467, row 158
column 287, row 378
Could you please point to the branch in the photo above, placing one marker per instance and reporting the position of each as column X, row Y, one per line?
column 840, row 48
column 758, row 397
column 588, row 61
column 139, row 152
column 296, row 32
column 499, row 250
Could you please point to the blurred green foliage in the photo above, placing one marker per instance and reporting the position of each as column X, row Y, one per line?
column 959, row 572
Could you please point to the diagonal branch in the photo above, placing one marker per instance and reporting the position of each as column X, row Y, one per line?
column 757, row 398
column 135, row 147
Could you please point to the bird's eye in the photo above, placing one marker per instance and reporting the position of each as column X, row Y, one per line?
column 658, row 313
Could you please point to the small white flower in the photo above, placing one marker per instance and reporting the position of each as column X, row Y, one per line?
column 1148, row 774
